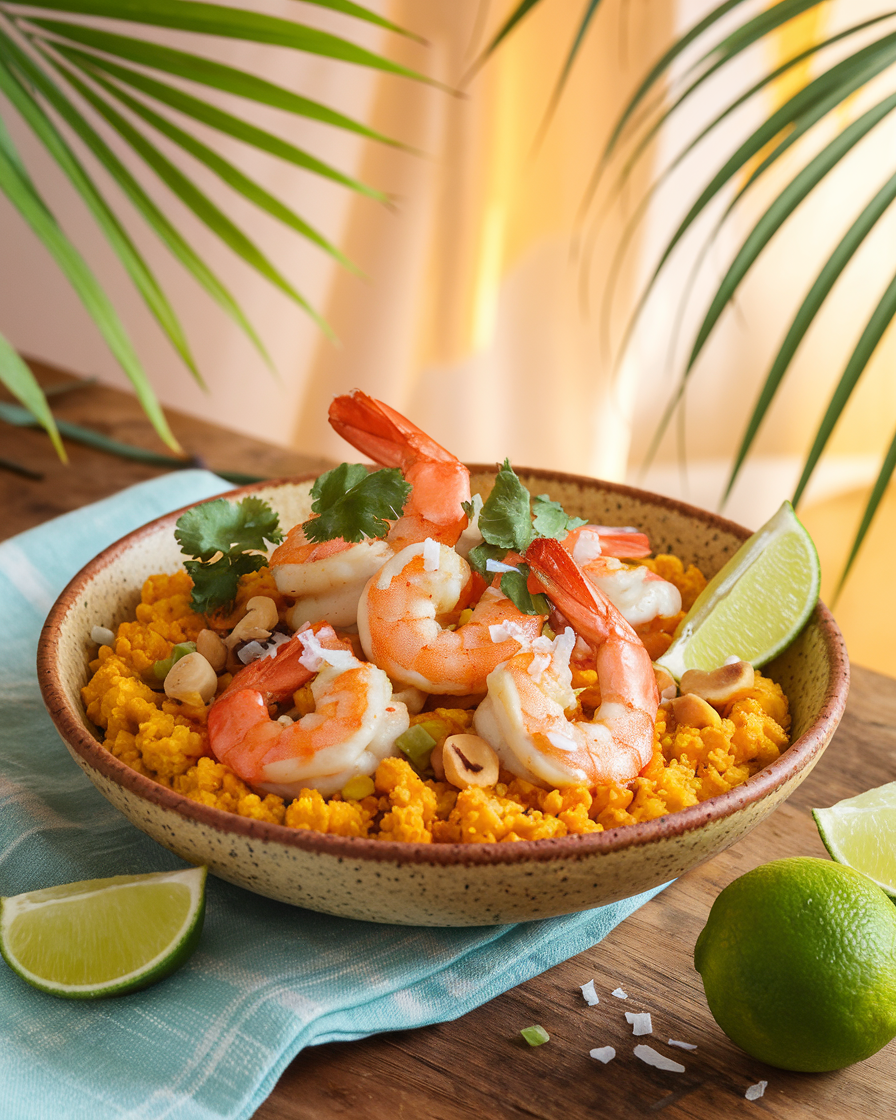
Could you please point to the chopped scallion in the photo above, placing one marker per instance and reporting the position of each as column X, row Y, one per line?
column 417, row 745
column 535, row 1035
column 161, row 669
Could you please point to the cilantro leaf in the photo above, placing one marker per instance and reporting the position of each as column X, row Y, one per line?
column 353, row 504
column 551, row 520
column 513, row 584
column 227, row 540
column 223, row 526
column 505, row 518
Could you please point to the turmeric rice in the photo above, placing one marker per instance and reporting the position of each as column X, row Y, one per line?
column 167, row 740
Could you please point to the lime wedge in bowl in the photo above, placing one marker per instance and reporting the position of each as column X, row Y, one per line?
column 861, row 833
column 756, row 605
column 103, row 937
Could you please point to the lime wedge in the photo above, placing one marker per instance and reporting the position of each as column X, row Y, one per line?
column 756, row 605
column 861, row 832
column 103, row 937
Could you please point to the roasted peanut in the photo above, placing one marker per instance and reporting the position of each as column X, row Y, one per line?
column 435, row 761
column 693, row 711
column 212, row 648
column 665, row 683
column 722, row 685
column 469, row 761
column 191, row 680
column 256, row 624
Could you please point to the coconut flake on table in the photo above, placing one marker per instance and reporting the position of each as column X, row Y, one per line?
column 432, row 555
column 603, row 1054
column 682, row 1045
column 640, row 1021
column 589, row 994
column 619, row 993
column 651, row 1057
column 102, row 635
column 756, row 1091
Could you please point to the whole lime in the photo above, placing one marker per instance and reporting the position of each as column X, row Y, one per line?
column 798, row 960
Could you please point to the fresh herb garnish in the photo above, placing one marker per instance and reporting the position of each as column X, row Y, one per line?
column 353, row 503
column 550, row 519
column 507, row 525
column 227, row 540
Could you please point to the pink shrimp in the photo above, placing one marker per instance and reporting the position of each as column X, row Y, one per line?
column 403, row 614
column 354, row 724
column 439, row 480
column 642, row 597
column 327, row 578
column 524, row 713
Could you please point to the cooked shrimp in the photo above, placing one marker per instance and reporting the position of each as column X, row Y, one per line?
column 407, row 607
column 524, row 715
column 640, row 595
column 327, row 578
column 354, row 724
column 439, row 481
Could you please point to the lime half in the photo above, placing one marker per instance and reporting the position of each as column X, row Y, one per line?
column 861, row 832
column 103, row 937
column 756, row 605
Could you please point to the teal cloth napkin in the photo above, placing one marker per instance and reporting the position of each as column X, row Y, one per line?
column 267, row 979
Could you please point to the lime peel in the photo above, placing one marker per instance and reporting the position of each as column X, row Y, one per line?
column 103, row 937
column 755, row 606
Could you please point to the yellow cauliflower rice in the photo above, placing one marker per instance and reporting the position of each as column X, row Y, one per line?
column 167, row 741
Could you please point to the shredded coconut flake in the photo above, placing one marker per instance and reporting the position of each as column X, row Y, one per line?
column 561, row 742
column 756, row 1091
column 432, row 555
column 603, row 1054
column 620, row 994
column 640, row 1021
column 502, row 631
column 499, row 566
column 102, row 635
column 683, row 1045
column 537, row 665
column 651, row 1057
column 316, row 656
column 589, row 994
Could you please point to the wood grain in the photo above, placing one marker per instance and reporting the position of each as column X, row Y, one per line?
column 478, row 1066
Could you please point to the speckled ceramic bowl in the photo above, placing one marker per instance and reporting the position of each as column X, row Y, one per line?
column 429, row 884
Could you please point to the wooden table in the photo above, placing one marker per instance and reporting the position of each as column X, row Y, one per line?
column 478, row 1066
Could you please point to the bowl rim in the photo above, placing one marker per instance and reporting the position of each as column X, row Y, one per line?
column 800, row 754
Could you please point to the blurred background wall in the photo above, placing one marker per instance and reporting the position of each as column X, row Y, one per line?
column 490, row 310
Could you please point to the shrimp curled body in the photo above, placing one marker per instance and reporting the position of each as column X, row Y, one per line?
column 354, row 724
column 524, row 716
column 401, row 622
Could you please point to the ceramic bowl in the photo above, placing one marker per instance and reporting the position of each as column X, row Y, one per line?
column 430, row 884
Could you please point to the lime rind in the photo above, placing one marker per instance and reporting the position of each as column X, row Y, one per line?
column 756, row 633
column 175, row 953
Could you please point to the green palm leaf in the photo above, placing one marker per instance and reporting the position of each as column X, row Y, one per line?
column 62, row 76
column 21, row 192
column 879, row 489
column 807, row 312
column 231, row 23
column 21, row 382
column 127, row 252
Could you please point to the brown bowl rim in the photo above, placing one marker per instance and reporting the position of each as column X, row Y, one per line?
column 797, row 757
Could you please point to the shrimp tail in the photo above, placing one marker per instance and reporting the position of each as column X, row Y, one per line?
column 277, row 676
column 389, row 438
column 561, row 579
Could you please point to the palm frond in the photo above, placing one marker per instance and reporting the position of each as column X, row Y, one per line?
column 64, row 76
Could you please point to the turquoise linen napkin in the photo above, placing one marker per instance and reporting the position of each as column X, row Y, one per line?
column 267, row 979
